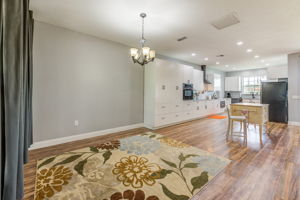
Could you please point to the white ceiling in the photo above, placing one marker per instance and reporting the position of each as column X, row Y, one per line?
column 270, row 27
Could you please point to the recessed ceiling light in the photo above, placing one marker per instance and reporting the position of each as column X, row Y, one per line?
column 226, row 65
column 262, row 61
column 267, row 64
column 256, row 56
column 239, row 43
column 206, row 59
column 193, row 54
column 217, row 63
column 249, row 50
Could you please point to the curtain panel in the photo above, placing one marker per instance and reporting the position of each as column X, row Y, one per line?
column 16, row 37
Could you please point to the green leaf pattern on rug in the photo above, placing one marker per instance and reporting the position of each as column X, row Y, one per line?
column 171, row 164
column 46, row 162
column 94, row 149
column 79, row 166
column 161, row 174
column 68, row 160
column 199, row 181
column 171, row 195
column 190, row 165
column 106, row 156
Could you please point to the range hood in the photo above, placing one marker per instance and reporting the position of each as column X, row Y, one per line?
column 203, row 68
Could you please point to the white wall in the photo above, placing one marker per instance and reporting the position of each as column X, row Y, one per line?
column 294, row 87
column 81, row 77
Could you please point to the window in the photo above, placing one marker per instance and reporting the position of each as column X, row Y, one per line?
column 252, row 84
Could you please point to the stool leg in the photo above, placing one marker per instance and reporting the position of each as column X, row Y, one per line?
column 231, row 127
column 260, row 132
column 245, row 131
column 241, row 126
column 228, row 129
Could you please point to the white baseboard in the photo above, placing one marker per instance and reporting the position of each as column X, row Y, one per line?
column 46, row 143
column 294, row 123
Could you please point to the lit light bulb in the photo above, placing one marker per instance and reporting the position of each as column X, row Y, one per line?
column 152, row 54
column 133, row 52
column 146, row 51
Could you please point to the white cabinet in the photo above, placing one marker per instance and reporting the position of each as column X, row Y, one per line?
column 233, row 83
column 187, row 74
column 163, row 102
column 198, row 79
column 277, row 72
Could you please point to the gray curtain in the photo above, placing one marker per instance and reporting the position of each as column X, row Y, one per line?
column 16, row 32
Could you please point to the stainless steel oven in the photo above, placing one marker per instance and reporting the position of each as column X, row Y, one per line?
column 187, row 91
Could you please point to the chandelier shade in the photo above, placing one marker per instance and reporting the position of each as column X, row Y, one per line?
column 143, row 55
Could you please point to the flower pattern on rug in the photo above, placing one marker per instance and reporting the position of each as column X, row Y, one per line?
column 149, row 166
column 51, row 180
column 131, row 195
column 114, row 144
column 173, row 143
column 139, row 145
column 212, row 165
column 94, row 171
column 135, row 171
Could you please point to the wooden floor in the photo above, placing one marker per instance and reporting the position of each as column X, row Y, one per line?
column 258, row 171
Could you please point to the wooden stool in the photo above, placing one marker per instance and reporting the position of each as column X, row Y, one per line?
column 243, row 122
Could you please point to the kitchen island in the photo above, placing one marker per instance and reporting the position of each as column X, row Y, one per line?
column 256, row 113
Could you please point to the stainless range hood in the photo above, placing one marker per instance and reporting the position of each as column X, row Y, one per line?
column 203, row 68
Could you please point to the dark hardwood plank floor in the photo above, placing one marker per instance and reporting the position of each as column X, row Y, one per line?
column 257, row 172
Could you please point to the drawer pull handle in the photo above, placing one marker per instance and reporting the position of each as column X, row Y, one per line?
column 163, row 118
column 177, row 88
column 163, row 107
column 177, row 105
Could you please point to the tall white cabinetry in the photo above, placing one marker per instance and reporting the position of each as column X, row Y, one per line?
column 163, row 95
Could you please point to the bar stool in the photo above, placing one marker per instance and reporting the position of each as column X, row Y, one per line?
column 243, row 123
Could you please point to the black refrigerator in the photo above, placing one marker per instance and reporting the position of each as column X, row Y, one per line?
column 276, row 95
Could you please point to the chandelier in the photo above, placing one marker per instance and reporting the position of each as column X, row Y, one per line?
column 143, row 55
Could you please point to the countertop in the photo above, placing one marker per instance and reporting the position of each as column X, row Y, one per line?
column 250, row 104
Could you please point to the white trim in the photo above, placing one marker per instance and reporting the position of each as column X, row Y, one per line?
column 294, row 123
column 72, row 138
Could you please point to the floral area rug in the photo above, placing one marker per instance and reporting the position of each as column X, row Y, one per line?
column 143, row 167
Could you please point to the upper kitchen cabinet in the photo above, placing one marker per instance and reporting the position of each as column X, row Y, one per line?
column 187, row 74
column 198, row 79
column 277, row 72
column 233, row 83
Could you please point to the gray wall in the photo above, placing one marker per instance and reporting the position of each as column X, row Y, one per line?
column 294, row 86
column 81, row 77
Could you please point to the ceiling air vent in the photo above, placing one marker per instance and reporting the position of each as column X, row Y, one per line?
column 226, row 21
column 182, row 38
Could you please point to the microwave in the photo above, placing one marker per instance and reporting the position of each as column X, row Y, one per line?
column 188, row 92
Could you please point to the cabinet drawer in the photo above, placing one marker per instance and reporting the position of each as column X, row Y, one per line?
column 177, row 107
column 188, row 115
column 161, row 120
column 188, row 106
column 162, row 109
column 177, row 117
